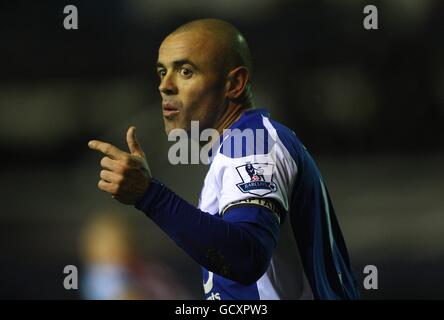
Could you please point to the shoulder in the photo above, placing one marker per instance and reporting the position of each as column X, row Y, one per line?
column 258, row 158
column 257, row 134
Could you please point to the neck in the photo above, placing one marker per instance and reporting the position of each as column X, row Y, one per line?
column 231, row 114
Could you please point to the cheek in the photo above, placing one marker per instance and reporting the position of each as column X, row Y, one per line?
column 202, row 96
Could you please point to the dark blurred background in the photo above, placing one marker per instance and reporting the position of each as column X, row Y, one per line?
column 368, row 104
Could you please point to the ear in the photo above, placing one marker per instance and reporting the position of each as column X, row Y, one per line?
column 237, row 80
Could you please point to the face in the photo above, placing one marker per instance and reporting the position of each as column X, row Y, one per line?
column 192, row 84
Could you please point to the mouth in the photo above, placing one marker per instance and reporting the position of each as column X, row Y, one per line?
column 169, row 110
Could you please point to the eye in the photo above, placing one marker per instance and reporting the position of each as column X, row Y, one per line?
column 186, row 72
column 161, row 73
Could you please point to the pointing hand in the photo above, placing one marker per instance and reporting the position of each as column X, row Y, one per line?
column 126, row 176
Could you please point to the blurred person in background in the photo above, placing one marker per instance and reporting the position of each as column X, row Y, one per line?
column 250, row 203
column 114, row 267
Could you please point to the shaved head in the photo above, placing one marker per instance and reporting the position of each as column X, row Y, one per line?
column 231, row 43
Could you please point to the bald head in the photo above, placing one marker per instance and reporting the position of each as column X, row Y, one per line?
column 231, row 44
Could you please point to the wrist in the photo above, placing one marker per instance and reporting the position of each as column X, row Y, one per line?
column 152, row 192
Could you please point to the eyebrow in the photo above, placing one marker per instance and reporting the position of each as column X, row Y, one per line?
column 178, row 63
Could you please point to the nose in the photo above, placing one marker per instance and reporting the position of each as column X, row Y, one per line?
column 167, row 85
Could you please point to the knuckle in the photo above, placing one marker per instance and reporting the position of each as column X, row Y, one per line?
column 126, row 160
column 120, row 179
column 120, row 169
column 107, row 147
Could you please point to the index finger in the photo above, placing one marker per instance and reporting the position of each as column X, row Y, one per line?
column 107, row 148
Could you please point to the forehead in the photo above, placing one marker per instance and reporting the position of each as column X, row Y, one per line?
column 197, row 46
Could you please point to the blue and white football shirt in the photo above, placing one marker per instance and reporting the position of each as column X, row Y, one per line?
column 310, row 260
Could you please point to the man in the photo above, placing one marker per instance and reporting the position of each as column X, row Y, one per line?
column 265, row 227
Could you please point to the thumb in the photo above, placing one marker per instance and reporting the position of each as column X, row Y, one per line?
column 133, row 144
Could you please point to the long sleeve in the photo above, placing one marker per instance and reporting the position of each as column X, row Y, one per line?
column 238, row 246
